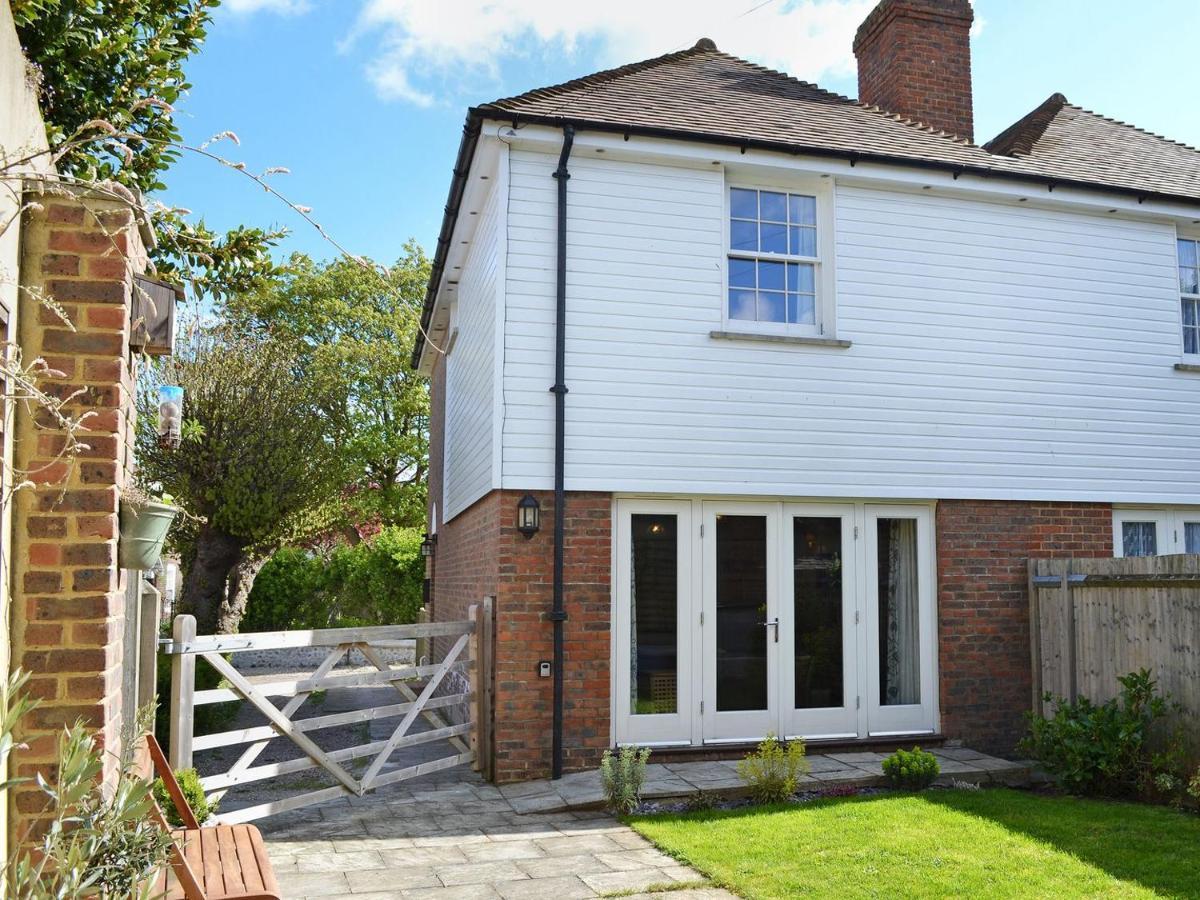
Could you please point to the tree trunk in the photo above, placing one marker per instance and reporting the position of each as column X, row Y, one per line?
column 215, row 556
column 237, row 593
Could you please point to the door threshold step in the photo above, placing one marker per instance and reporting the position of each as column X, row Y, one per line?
column 717, row 752
column 677, row 781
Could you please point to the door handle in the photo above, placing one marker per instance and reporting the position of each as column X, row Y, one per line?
column 774, row 623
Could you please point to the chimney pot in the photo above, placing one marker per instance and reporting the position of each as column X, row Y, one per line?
column 914, row 59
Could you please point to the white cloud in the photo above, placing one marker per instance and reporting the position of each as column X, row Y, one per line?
column 419, row 51
column 284, row 7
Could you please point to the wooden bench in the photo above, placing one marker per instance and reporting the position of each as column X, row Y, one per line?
column 220, row 862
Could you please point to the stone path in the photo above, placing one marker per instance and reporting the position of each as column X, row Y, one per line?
column 463, row 839
column 454, row 836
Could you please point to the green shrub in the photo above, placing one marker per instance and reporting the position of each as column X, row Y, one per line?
column 701, row 801
column 189, row 783
column 773, row 771
column 376, row 582
column 1104, row 749
column 623, row 776
column 911, row 770
column 1193, row 787
column 288, row 593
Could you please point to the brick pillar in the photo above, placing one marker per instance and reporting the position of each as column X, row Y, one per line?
column 82, row 250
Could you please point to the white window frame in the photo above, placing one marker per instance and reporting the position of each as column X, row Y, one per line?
column 822, row 189
column 1169, row 521
column 1195, row 239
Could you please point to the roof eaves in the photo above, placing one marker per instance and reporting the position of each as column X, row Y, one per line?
column 462, row 167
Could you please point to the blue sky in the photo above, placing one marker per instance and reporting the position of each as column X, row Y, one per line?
column 364, row 100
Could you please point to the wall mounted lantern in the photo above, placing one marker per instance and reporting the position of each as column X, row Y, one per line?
column 529, row 516
column 428, row 544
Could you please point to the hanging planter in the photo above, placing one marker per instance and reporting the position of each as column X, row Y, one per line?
column 144, row 527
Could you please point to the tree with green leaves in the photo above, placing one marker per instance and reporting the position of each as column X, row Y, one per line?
column 353, row 325
column 108, row 74
column 256, row 459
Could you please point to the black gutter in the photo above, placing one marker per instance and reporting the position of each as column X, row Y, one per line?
column 477, row 114
column 458, row 185
column 559, row 614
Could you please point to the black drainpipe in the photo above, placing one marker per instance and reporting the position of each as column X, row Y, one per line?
column 559, row 614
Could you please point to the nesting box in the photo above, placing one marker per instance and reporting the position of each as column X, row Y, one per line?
column 152, row 316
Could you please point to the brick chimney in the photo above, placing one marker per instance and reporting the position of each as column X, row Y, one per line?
column 914, row 59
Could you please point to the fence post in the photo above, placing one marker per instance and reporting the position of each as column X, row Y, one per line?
column 1035, row 638
column 476, row 684
column 1072, row 651
column 483, row 701
column 147, row 666
column 421, row 652
column 183, row 692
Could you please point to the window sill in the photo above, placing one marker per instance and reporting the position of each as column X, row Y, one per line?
column 1187, row 367
column 787, row 339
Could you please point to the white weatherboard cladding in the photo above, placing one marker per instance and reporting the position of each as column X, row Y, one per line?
column 998, row 350
column 470, row 368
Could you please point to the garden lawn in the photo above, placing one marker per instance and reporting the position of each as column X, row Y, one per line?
column 942, row 843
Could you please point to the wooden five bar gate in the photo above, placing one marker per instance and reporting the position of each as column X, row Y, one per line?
column 465, row 668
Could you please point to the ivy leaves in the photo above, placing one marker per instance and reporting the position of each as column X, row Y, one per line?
column 121, row 63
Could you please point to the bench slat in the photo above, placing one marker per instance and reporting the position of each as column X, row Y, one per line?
column 230, row 861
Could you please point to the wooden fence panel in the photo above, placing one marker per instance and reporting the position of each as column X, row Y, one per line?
column 1094, row 620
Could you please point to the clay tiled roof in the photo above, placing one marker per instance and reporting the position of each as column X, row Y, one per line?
column 713, row 96
column 1061, row 140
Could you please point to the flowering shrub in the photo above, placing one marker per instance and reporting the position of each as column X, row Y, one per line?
column 773, row 771
column 912, row 770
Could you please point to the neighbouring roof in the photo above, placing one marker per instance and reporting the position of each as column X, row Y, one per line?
column 705, row 95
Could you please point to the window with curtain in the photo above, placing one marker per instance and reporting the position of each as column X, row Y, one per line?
column 1189, row 294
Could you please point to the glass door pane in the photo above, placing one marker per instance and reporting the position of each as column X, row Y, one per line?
column 817, row 571
column 654, row 614
column 742, row 633
column 899, row 616
column 899, row 612
column 654, row 622
column 819, row 653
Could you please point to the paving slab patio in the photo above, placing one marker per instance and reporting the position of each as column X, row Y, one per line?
column 454, row 836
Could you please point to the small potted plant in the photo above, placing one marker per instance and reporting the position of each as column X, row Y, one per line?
column 145, row 521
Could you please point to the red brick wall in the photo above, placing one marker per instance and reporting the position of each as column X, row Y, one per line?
column 68, row 608
column 914, row 58
column 481, row 552
column 983, row 605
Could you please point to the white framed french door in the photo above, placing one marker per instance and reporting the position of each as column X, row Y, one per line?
column 654, row 629
column 736, row 618
column 819, row 643
column 901, row 642
column 740, row 620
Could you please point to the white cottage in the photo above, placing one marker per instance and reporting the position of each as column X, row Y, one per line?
column 793, row 386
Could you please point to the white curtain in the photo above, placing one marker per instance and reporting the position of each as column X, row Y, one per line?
column 903, row 643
